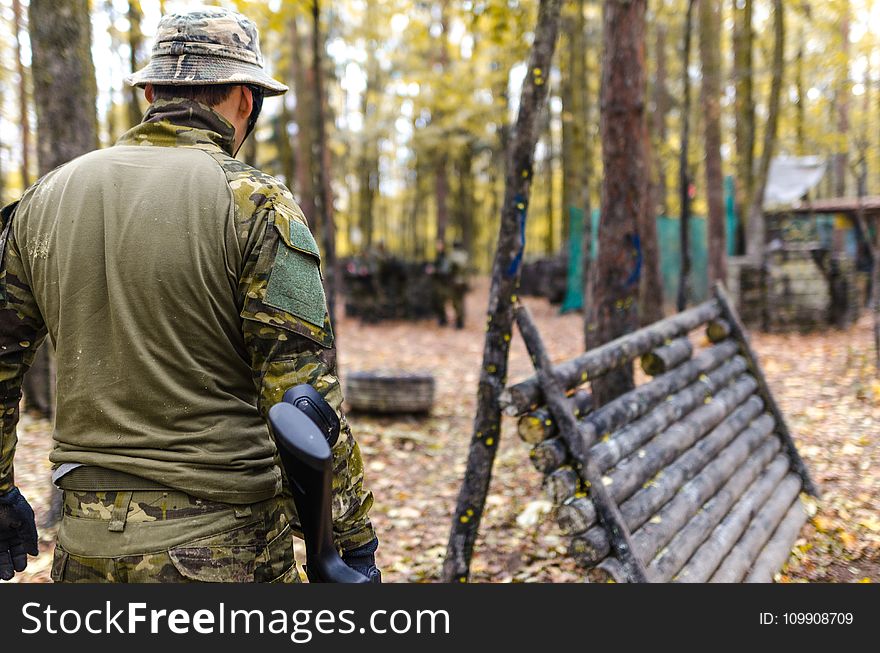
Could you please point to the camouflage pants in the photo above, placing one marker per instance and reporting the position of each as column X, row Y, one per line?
column 171, row 537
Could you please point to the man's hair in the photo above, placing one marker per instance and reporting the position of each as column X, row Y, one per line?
column 210, row 94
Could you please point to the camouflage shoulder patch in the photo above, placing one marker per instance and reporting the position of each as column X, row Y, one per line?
column 295, row 284
column 286, row 289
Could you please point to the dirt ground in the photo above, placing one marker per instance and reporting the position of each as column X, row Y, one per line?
column 823, row 382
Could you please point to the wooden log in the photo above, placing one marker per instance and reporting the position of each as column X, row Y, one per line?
column 778, row 549
column 548, row 455
column 662, row 527
column 738, row 331
column 561, row 484
column 563, row 415
column 537, row 425
column 680, row 548
column 633, row 472
column 575, row 515
column 759, row 530
column 608, row 571
column 665, row 358
column 706, row 559
column 718, row 330
column 623, row 442
column 520, row 398
column 592, row 546
column 639, row 468
column 635, row 403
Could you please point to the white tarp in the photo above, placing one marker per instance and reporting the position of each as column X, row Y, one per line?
column 791, row 177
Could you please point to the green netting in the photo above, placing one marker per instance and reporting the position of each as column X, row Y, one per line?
column 668, row 237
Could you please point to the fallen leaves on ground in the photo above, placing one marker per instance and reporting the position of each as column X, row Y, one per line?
column 824, row 383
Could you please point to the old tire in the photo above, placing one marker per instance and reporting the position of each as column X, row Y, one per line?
column 390, row 391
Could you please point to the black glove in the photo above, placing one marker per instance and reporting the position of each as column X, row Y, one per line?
column 18, row 533
column 363, row 560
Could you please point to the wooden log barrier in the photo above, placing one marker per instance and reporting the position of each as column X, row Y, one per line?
column 718, row 330
column 669, row 561
column 760, row 529
column 738, row 331
column 631, row 473
column 635, row 403
column 548, row 455
column 667, row 357
column 662, row 527
column 538, row 425
column 622, row 443
column 563, row 414
column 561, row 484
column 522, row 397
column 712, row 552
column 575, row 515
column 637, row 470
column 592, row 546
column 777, row 551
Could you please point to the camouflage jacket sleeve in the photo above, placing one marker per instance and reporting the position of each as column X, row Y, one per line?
column 288, row 335
column 21, row 332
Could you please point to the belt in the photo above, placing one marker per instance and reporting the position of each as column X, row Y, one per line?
column 90, row 478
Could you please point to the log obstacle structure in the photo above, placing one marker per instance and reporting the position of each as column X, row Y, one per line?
column 693, row 476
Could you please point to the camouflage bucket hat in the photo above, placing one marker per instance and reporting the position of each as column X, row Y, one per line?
column 208, row 46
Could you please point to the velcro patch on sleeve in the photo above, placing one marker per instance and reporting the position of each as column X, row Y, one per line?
column 295, row 283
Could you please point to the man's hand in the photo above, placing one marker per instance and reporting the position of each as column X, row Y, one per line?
column 18, row 533
column 363, row 560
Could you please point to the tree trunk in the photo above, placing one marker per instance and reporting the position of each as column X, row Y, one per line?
column 135, row 44
column 744, row 109
column 441, row 173
column 301, row 72
column 505, row 279
column 550, row 240
column 801, row 112
column 841, row 100
column 659, row 120
column 464, row 203
column 618, row 269
column 23, row 115
column 755, row 228
column 324, row 195
column 684, row 179
column 710, row 94
column 576, row 157
column 651, row 286
column 65, row 97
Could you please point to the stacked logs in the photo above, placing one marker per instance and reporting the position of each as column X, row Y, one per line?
column 697, row 459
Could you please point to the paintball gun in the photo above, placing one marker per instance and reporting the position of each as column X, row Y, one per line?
column 305, row 428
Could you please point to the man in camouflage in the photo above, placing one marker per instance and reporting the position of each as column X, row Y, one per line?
column 181, row 290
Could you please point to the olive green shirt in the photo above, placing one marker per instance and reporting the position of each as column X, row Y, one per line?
column 181, row 291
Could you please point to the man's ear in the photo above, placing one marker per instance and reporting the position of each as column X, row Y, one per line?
column 149, row 94
column 246, row 103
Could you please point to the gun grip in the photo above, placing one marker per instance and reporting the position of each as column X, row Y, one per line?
column 309, row 401
column 307, row 463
